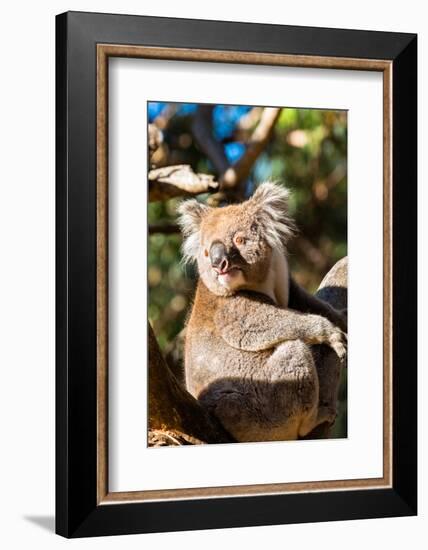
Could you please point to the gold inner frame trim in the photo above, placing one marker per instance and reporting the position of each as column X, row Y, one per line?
column 104, row 51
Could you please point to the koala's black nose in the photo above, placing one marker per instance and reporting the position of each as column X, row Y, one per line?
column 218, row 256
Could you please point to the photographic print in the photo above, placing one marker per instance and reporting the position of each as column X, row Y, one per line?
column 247, row 273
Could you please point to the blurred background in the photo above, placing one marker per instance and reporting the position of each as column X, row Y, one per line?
column 235, row 147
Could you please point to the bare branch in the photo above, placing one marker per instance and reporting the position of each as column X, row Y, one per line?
column 202, row 128
column 167, row 438
column 179, row 180
column 261, row 135
column 165, row 228
column 248, row 121
column 155, row 139
column 231, row 176
column 162, row 120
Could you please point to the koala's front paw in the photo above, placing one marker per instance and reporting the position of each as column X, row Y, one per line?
column 330, row 335
column 338, row 341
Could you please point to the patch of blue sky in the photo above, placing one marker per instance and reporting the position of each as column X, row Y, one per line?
column 154, row 109
column 187, row 109
column 225, row 118
column 234, row 151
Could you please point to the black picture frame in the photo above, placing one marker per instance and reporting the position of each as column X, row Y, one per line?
column 77, row 512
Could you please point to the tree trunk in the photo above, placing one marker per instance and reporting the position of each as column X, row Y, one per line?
column 333, row 290
column 175, row 416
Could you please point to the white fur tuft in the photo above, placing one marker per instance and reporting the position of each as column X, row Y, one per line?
column 191, row 213
column 270, row 204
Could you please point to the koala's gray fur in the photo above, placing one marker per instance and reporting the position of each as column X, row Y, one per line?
column 248, row 355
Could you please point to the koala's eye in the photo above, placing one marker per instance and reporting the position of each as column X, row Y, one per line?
column 239, row 240
column 206, row 252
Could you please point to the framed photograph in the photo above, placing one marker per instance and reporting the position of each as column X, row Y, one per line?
column 236, row 274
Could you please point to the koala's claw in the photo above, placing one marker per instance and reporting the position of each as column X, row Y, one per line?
column 338, row 342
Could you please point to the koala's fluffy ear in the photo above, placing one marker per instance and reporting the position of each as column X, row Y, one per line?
column 270, row 208
column 191, row 213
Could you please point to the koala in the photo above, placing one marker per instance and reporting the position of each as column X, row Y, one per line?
column 248, row 341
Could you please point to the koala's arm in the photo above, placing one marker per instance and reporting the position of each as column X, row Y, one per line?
column 248, row 324
column 301, row 300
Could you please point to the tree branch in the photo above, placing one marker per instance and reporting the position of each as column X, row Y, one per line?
column 230, row 176
column 202, row 128
column 175, row 416
column 180, row 180
column 259, row 139
column 165, row 228
column 155, row 139
column 333, row 290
